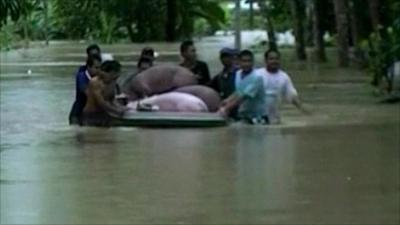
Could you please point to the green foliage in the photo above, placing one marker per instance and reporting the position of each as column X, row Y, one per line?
column 11, row 9
column 209, row 10
column 203, row 28
column 143, row 20
column 107, row 28
column 149, row 20
column 73, row 20
column 383, row 47
column 8, row 36
column 21, row 18
column 278, row 10
column 15, row 9
column 190, row 10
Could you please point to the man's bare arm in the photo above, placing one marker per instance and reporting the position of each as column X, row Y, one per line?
column 296, row 102
column 229, row 104
column 96, row 89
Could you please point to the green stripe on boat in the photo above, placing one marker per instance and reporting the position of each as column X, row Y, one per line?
column 169, row 119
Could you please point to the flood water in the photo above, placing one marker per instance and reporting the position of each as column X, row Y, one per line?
column 338, row 166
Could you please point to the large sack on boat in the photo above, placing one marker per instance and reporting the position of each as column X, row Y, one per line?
column 158, row 80
column 208, row 95
column 170, row 102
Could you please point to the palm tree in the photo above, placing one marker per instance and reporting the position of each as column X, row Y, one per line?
column 142, row 19
column 342, row 26
column 98, row 19
column 27, row 8
column 9, row 9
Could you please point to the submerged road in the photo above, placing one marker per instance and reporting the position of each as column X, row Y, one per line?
column 337, row 166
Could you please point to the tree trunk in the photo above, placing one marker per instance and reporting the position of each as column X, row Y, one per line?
column 298, row 13
column 356, row 32
column 130, row 32
column 319, row 44
column 26, row 32
column 374, row 13
column 46, row 21
column 171, row 21
column 238, row 32
column 269, row 25
column 271, row 34
column 342, row 27
column 355, row 21
column 309, row 27
column 251, row 19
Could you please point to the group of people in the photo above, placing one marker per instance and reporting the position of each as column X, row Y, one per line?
column 96, row 88
column 248, row 94
column 255, row 92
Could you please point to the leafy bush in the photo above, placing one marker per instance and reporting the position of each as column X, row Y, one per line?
column 107, row 29
column 383, row 46
column 383, row 49
column 8, row 36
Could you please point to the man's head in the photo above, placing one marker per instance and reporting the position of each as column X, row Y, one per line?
column 93, row 65
column 144, row 63
column 246, row 60
column 272, row 60
column 148, row 52
column 111, row 71
column 188, row 51
column 227, row 57
column 92, row 50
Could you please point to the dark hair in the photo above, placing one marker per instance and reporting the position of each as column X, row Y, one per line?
column 228, row 52
column 224, row 55
column 185, row 45
column 92, row 47
column 147, row 51
column 144, row 59
column 246, row 53
column 269, row 51
column 111, row 66
column 92, row 59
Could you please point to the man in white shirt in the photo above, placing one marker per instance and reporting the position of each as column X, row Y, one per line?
column 278, row 86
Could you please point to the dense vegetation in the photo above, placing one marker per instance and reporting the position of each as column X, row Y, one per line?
column 109, row 21
column 365, row 31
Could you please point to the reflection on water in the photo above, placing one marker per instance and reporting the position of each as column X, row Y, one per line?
column 332, row 167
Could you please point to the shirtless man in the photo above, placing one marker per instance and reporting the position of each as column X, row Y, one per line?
column 101, row 96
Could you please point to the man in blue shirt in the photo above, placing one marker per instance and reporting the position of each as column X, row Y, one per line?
column 249, row 95
column 91, row 50
column 83, row 77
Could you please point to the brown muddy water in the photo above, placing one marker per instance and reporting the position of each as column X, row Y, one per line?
column 338, row 166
